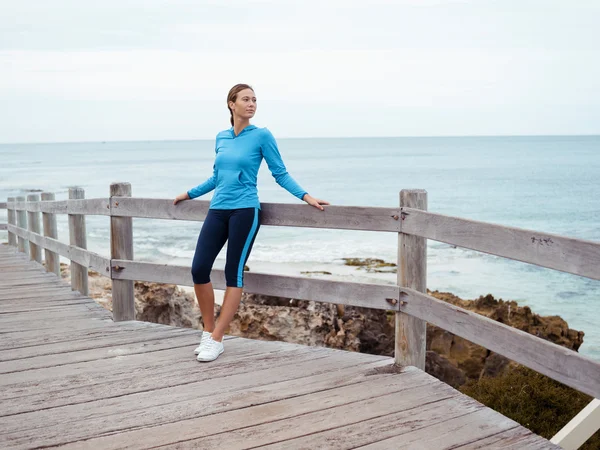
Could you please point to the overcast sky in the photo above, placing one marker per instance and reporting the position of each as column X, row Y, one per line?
column 79, row 70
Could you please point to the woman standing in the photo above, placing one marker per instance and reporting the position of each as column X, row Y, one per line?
column 234, row 213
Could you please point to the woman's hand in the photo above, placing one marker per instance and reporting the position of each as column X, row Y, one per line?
column 315, row 202
column 180, row 198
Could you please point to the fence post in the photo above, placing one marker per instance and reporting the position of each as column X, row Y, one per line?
column 33, row 224
column 77, row 237
column 12, row 220
column 50, row 230
column 121, row 247
column 22, row 223
column 410, row 345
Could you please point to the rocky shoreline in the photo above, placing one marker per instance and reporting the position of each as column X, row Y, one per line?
column 449, row 358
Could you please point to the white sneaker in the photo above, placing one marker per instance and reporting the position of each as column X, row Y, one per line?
column 203, row 338
column 211, row 349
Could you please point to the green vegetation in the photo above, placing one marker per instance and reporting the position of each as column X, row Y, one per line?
column 535, row 401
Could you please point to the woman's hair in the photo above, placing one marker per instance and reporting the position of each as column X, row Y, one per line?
column 232, row 96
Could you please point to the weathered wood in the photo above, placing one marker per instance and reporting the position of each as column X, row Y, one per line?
column 33, row 224
column 51, row 231
column 574, row 434
column 91, row 207
column 12, row 220
column 559, row 363
column 513, row 439
column 3, row 205
column 410, row 344
column 80, row 256
column 576, row 256
column 3, row 226
column 301, row 419
column 121, row 247
column 450, row 434
column 347, row 293
column 73, row 377
column 438, row 408
column 185, row 401
column 22, row 223
column 275, row 214
column 78, row 238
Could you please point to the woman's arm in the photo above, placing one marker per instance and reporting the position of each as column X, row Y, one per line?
column 271, row 154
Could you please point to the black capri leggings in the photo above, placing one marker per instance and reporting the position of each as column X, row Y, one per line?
column 240, row 226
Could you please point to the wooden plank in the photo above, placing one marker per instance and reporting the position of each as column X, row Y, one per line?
column 576, row 256
column 433, row 410
column 73, row 323
column 3, row 205
column 514, row 439
column 57, row 288
column 29, row 338
column 81, row 256
column 121, row 247
column 3, row 226
column 409, row 383
column 173, row 404
column 48, row 306
column 8, row 277
column 88, row 207
column 78, row 239
column 274, row 214
column 375, row 403
column 54, row 376
column 54, row 296
column 559, row 363
column 51, row 231
column 71, row 326
column 339, row 292
column 152, row 375
column 451, row 433
column 409, row 345
column 66, row 357
column 16, row 320
column 76, row 347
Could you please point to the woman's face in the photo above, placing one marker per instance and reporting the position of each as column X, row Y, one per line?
column 244, row 105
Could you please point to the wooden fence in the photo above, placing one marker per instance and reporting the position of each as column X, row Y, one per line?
column 413, row 306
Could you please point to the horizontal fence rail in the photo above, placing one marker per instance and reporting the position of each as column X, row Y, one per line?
column 276, row 214
column 575, row 256
column 79, row 255
column 88, row 207
column 366, row 295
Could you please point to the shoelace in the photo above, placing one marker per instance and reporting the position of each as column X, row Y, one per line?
column 211, row 343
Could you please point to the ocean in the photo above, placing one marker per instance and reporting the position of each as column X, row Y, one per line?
column 544, row 183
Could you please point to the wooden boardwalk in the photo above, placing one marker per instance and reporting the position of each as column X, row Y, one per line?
column 71, row 377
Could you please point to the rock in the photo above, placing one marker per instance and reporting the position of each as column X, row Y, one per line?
column 439, row 367
column 166, row 304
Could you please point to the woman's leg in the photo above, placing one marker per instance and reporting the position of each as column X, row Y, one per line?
column 243, row 228
column 210, row 242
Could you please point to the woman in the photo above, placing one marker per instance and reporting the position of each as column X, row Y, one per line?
column 234, row 213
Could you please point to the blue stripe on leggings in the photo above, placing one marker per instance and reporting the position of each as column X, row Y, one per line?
column 246, row 247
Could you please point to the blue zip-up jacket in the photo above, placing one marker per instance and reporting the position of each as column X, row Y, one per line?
column 236, row 167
